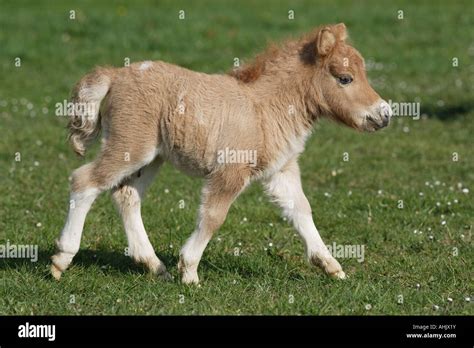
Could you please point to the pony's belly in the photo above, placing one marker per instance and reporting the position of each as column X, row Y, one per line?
column 190, row 165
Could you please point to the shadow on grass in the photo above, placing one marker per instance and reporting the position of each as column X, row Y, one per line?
column 448, row 112
column 15, row 263
column 113, row 260
column 222, row 264
column 84, row 258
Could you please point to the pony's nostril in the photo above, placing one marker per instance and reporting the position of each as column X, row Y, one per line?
column 385, row 110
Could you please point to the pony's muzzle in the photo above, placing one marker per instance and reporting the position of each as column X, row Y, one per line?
column 378, row 117
column 385, row 112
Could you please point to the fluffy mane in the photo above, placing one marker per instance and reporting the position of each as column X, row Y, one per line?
column 303, row 47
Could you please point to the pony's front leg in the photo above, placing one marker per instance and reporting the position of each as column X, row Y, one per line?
column 285, row 188
column 217, row 197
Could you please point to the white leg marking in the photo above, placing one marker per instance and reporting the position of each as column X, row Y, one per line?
column 128, row 200
column 70, row 238
column 192, row 251
column 285, row 188
column 212, row 213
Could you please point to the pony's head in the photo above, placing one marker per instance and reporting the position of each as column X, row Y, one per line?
column 339, row 87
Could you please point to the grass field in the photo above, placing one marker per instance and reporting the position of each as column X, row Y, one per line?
column 422, row 252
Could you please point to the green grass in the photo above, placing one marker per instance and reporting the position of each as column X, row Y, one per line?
column 414, row 57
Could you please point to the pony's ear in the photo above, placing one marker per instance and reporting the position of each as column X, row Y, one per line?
column 325, row 41
column 340, row 31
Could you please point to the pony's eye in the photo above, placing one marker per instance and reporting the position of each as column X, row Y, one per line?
column 344, row 80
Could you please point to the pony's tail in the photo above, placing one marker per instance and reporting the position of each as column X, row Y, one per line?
column 84, row 123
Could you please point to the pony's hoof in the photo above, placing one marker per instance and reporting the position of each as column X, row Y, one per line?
column 56, row 272
column 165, row 276
column 338, row 275
column 190, row 279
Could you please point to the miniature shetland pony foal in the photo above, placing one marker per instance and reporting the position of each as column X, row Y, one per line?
column 154, row 112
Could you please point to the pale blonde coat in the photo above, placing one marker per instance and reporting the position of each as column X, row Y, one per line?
column 155, row 111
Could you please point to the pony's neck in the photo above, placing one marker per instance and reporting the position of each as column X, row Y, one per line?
column 280, row 100
column 281, row 83
column 282, row 94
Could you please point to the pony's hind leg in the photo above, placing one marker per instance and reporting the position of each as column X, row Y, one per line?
column 127, row 197
column 88, row 182
column 83, row 194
